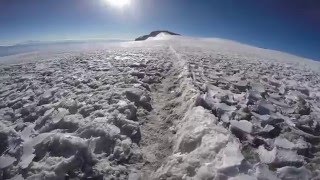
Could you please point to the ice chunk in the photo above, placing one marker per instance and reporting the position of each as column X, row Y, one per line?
column 26, row 132
column 243, row 125
column 253, row 96
column 241, row 85
column 266, row 156
column 134, row 94
column 265, row 108
column 86, row 110
column 47, row 96
column 129, row 110
column 279, row 156
column 137, row 96
column 134, row 176
column 70, row 104
column 290, row 173
column 59, row 115
column 232, row 155
column 17, row 177
column 27, row 158
column 262, row 172
column 28, row 149
column 192, row 139
column 243, row 177
column 70, row 122
column 283, row 143
column 223, row 107
column 6, row 161
column 257, row 87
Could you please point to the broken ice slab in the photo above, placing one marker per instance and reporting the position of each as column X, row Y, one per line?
column 242, row 125
column 290, row 173
column 280, row 157
column 6, row 161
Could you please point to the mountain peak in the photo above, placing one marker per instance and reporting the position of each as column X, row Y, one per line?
column 154, row 34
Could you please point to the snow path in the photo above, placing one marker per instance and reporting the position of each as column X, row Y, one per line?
column 156, row 144
column 158, row 131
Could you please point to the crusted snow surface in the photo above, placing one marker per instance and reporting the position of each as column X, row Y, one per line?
column 167, row 108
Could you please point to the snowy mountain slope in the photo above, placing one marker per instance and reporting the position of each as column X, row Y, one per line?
column 54, row 46
column 172, row 107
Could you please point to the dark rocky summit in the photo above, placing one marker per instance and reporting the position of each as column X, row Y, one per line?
column 154, row 34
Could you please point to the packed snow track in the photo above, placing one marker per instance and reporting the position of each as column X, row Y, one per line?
column 171, row 108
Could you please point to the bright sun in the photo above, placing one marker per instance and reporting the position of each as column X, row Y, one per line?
column 119, row 3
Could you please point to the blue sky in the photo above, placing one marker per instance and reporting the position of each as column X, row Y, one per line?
column 287, row 25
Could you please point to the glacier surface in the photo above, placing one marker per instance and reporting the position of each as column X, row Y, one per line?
column 170, row 107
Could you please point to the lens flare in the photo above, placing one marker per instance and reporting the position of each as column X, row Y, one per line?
column 119, row 3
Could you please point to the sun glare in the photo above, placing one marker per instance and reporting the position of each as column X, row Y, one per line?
column 119, row 3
